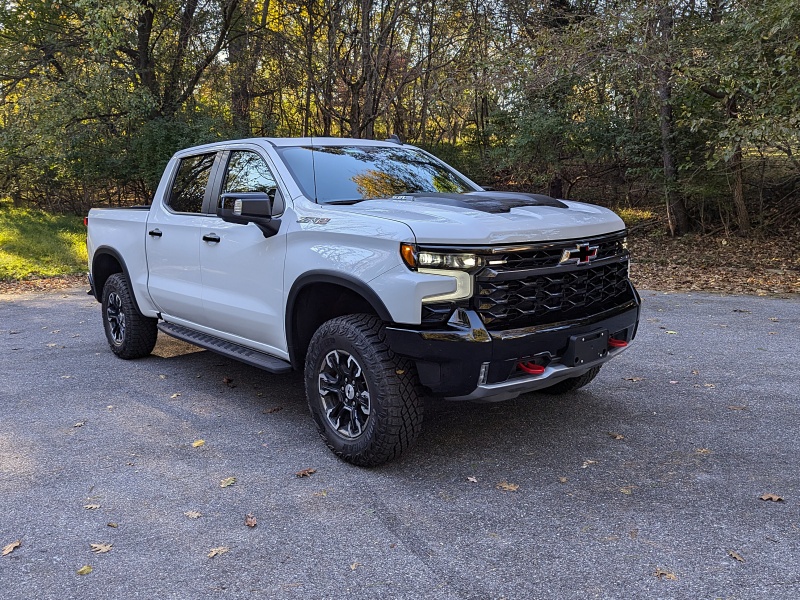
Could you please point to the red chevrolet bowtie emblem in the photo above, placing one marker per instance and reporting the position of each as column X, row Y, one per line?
column 581, row 254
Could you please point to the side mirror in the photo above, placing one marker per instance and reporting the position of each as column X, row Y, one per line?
column 252, row 207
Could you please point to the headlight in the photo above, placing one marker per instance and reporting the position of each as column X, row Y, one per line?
column 456, row 265
column 425, row 259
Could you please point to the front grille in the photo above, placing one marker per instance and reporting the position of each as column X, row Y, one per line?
column 549, row 256
column 530, row 288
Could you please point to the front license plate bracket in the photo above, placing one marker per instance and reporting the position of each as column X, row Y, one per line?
column 586, row 348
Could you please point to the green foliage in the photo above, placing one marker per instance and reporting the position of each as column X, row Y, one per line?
column 34, row 243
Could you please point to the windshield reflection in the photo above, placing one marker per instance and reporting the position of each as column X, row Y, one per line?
column 363, row 172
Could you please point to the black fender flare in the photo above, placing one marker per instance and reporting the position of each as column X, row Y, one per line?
column 336, row 278
column 109, row 251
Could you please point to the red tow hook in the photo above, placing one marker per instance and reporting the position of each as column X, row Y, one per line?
column 531, row 368
column 617, row 343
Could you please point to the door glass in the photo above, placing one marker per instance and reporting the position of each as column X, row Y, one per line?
column 189, row 186
column 247, row 172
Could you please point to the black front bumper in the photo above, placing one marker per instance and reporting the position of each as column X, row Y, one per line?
column 470, row 362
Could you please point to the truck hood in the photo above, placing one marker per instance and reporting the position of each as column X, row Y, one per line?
column 491, row 217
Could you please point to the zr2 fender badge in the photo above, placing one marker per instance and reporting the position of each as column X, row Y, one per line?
column 313, row 220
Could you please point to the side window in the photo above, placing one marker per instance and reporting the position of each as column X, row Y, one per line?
column 247, row 172
column 189, row 186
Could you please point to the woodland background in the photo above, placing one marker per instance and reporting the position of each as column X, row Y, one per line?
column 688, row 108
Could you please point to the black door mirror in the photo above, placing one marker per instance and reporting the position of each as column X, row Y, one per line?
column 252, row 207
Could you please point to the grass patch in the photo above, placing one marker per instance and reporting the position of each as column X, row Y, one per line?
column 34, row 243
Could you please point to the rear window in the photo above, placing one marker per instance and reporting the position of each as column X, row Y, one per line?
column 189, row 185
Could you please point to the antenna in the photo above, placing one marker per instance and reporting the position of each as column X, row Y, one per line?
column 394, row 138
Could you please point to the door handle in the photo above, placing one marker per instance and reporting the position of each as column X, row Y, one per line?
column 155, row 233
column 211, row 237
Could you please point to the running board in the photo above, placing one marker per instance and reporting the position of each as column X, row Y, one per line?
column 229, row 349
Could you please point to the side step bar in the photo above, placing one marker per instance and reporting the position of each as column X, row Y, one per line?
column 229, row 349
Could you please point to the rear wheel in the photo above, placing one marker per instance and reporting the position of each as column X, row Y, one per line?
column 365, row 400
column 573, row 383
column 129, row 333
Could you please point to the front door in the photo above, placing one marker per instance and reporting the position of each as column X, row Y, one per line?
column 242, row 271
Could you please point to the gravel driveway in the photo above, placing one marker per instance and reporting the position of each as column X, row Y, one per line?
column 646, row 484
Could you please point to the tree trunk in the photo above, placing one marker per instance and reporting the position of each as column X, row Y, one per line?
column 735, row 165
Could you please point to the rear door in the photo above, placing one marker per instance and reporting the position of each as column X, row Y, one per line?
column 174, row 232
column 242, row 271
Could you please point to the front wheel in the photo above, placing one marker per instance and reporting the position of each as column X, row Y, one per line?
column 365, row 400
column 129, row 333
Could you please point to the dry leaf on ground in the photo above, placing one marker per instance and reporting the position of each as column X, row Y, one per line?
column 507, row 487
column 84, row 570
column 274, row 409
column 100, row 548
column 702, row 451
column 735, row 555
column 616, row 436
column 112, row 524
column 8, row 549
column 217, row 551
column 354, row 566
column 250, row 520
column 227, row 481
column 306, row 472
column 472, row 479
column 198, row 443
column 175, row 395
column 771, row 497
column 633, row 378
column 193, row 514
column 80, row 424
column 91, row 506
column 662, row 574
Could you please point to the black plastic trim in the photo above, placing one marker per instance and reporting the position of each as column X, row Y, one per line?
column 109, row 251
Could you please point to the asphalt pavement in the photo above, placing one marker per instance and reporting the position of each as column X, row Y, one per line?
column 646, row 484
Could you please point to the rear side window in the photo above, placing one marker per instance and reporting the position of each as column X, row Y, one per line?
column 189, row 186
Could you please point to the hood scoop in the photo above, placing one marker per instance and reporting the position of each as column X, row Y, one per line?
column 488, row 202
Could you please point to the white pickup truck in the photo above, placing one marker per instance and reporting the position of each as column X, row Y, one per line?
column 380, row 271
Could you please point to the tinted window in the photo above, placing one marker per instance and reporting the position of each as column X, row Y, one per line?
column 352, row 172
column 189, row 186
column 247, row 172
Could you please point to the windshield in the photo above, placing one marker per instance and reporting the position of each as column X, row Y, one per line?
column 352, row 173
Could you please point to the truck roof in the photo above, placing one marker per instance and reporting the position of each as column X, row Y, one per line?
column 288, row 142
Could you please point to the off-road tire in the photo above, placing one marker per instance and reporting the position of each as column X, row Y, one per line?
column 394, row 393
column 573, row 383
column 129, row 333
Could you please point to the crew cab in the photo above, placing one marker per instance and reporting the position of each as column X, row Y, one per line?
column 381, row 272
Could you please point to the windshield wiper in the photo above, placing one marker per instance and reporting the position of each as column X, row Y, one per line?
column 356, row 201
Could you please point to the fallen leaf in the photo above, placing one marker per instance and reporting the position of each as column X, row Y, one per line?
column 772, row 333
column 162, row 376
column 217, row 551
column 11, row 547
column 84, row 570
column 738, row 407
column 709, row 385
column 507, row 487
column 662, row 574
column 695, row 372
column 616, row 436
column 80, row 424
column 198, row 443
column 773, row 319
column 673, row 382
column 627, row 490
column 740, row 310
column 175, row 395
column 227, row 380
column 771, row 497
column 399, row 371
column 633, row 378
column 321, row 494
column 306, row 473
column 227, row 481
column 472, row 479
column 671, row 332
column 735, row 555
column 354, row 566
column 250, row 520
column 193, row 514
column 112, row 524
column 562, row 480
column 702, row 451
column 91, row 506
column 586, row 463
column 274, row 409
column 100, row 548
